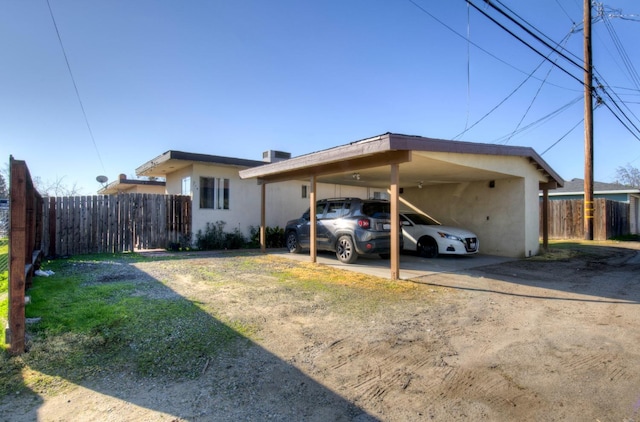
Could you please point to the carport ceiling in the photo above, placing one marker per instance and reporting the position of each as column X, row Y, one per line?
column 420, row 159
column 421, row 168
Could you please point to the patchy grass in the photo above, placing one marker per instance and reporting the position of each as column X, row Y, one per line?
column 352, row 293
column 93, row 320
column 4, row 288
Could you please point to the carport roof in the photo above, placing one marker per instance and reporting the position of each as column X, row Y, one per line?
column 370, row 157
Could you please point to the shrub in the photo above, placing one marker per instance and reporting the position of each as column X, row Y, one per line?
column 274, row 237
column 214, row 237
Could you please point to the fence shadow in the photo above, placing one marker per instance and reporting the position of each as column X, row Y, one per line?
column 243, row 381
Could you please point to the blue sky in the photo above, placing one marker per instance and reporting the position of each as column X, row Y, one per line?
column 238, row 77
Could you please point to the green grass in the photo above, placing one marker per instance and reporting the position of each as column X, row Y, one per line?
column 94, row 322
column 4, row 288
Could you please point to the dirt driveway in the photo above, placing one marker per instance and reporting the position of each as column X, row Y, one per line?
column 523, row 340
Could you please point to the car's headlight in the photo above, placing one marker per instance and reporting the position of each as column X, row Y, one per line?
column 450, row 236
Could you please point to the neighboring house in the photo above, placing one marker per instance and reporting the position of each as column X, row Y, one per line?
column 574, row 189
column 124, row 185
column 219, row 194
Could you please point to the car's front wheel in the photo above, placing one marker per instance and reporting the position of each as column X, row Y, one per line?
column 345, row 250
column 427, row 247
column 292, row 243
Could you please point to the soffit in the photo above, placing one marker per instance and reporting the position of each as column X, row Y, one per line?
column 420, row 160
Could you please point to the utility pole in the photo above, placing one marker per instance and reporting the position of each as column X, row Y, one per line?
column 588, row 125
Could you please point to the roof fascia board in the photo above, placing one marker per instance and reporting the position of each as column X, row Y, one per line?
column 419, row 143
column 389, row 142
column 305, row 163
column 189, row 157
column 359, row 163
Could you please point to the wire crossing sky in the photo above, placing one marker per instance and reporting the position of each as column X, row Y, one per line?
column 236, row 78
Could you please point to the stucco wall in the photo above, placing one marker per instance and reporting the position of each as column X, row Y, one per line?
column 153, row 189
column 496, row 215
column 284, row 200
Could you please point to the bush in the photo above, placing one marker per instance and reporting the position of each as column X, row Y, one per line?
column 274, row 237
column 214, row 237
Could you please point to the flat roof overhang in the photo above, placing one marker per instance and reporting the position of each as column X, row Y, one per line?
column 172, row 161
column 421, row 160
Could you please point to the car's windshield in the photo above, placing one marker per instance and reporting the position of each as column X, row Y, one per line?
column 421, row 219
column 376, row 209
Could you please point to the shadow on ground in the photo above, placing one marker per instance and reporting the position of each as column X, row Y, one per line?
column 241, row 381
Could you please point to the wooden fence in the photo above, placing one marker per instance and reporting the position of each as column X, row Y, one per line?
column 566, row 219
column 115, row 223
column 25, row 238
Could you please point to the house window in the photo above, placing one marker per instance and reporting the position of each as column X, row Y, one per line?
column 214, row 193
column 304, row 191
column 186, row 186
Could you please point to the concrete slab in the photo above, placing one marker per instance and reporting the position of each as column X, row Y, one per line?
column 411, row 266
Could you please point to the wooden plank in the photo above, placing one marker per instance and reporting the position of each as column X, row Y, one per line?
column 17, row 260
column 51, row 251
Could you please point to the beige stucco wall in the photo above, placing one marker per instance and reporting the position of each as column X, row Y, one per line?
column 496, row 215
column 284, row 200
column 153, row 189
column 505, row 217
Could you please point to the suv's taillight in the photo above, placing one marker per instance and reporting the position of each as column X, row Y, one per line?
column 364, row 223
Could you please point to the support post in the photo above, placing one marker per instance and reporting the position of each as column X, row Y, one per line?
column 395, row 221
column 313, row 228
column 263, row 218
column 545, row 219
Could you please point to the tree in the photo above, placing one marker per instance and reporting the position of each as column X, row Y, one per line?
column 628, row 175
column 55, row 188
column 4, row 191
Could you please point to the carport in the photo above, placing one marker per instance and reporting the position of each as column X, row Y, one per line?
column 491, row 189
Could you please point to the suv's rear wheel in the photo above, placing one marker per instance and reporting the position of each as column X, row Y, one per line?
column 345, row 250
column 292, row 243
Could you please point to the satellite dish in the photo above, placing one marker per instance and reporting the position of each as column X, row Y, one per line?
column 102, row 179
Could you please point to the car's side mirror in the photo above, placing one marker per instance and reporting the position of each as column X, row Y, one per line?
column 405, row 223
column 306, row 216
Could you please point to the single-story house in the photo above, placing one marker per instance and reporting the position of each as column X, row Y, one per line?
column 574, row 189
column 489, row 189
column 124, row 185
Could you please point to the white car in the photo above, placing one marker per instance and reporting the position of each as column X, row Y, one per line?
column 428, row 238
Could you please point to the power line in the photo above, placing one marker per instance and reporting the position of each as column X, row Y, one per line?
column 541, row 120
column 510, row 32
column 620, row 117
column 426, row 12
column 566, row 39
column 563, row 136
column 75, row 86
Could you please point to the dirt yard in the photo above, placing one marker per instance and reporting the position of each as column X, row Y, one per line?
column 530, row 340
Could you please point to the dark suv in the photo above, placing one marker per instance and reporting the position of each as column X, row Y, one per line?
column 347, row 226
